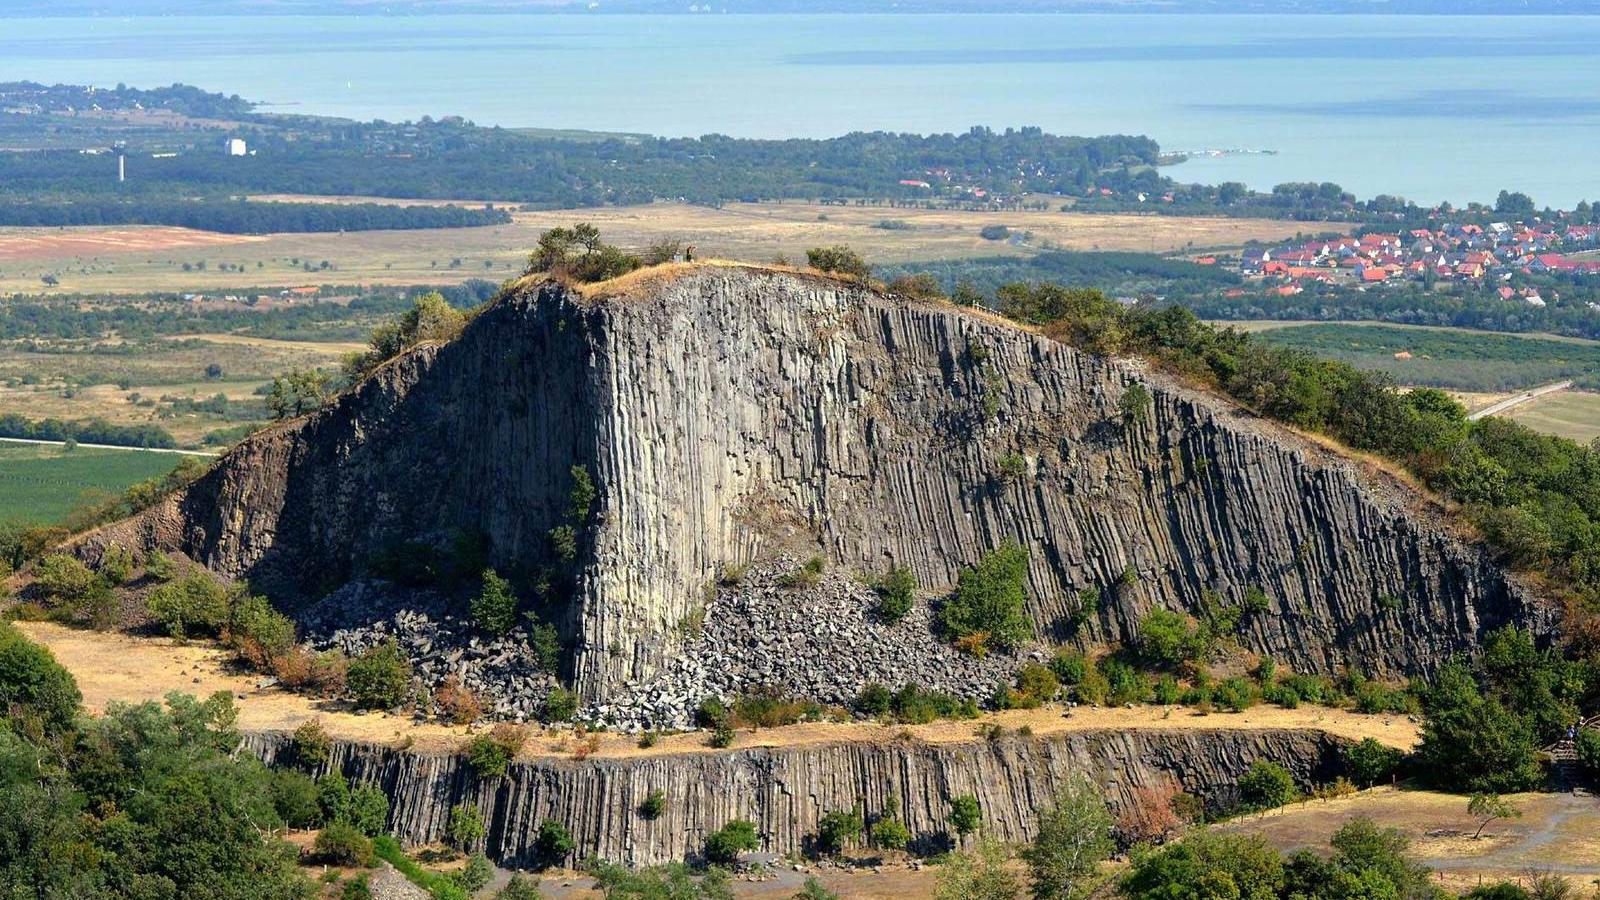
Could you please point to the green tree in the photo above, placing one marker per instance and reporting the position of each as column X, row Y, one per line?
column 965, row 814
column 380, row 677
column 36, row 692
column 991, row 599
column 1134, row 404
column 896, row 592
column 554, row 843
column 838, row 829
column 724, row 845
column 1471, row 742
column 494, row 609
column 1266, row 785
column 1369, row 762
column 465, row 829
column 983, row 873
column 1207, row 865
column 195, row 603
column 298, row 392
column 838, row 260
column 1489, row 807
column 1074, row 837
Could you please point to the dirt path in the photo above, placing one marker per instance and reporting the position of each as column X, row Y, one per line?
column 1518, row 400
column 118, row 668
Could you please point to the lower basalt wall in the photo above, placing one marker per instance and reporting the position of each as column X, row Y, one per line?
column 784, row 791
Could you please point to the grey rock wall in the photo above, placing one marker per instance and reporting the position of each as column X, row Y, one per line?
column 729, row 414
column 786, row 791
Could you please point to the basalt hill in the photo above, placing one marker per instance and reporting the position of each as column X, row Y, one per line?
column 730, row 415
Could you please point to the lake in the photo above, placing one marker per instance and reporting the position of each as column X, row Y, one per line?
column 1430, row 108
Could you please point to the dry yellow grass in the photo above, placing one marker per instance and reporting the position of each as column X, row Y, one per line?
column 1570, row 414
column 116, row 667
column 126, row 260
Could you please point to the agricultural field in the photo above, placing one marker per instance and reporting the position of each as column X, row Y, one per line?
column 156, row 381
column 1571, row 414
column 1455, row 359
column 41, row 483
column 136, row 260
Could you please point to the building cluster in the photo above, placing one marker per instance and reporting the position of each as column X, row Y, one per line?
column 1498, row 250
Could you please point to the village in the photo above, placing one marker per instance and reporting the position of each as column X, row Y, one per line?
column 1469, row 252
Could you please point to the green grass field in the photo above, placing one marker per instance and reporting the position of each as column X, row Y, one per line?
column 1447, row 358
column 41, row 484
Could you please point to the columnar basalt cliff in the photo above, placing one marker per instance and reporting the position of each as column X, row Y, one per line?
column 785, row 791
column 728, row 413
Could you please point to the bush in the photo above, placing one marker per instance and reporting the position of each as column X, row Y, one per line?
column 994, row 232
column 1369, row 762
column 64, row 579
column 561, row 705
column 475, row 874
column 804, row 576
column 159, row 566
column 889, row 833
column 380, row 677
column 488, row 757
column 653, row 805
column 724, row 845
column 813, row 889
column 965, row 814
column 341, row 844
column 116, row 564
column 1589, row 751
column 367, row 810
column 837, row 830
column 258, row 632
column 312, row 746
column 1037, row 683
column 1266, row 785
column 465, row 829
column 457, row 704
column 839, row 260
column 873, row 700
column 553, row 844
column 721, row 737
column 711, row 713
column 193, row 604
column 294, row 797
column 1235, row 693
column 519, row 888
column 991, row 599
column 1166, row 638
column 896, row 591
column 36, row 692
column 1070, row 666
column 333, row 796
column 494, row 609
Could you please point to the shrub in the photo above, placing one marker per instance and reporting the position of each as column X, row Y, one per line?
column 561, row 705
column 488, row 757
column 994, row 232
column 711, row 713
column 341, row 844
column 544, row 643
column 258, row 632
column 804, row 576
column 1038, row 683
column 921, row 286
column 965, row 814
column 889, row 833
column 193, row 604
column 457, row 704
column 1151, row 816
column 1166, row 638
column 724, row 845
column 1070, row 666
column 1589, row 750
column 333, row 796
column 36, row 692
column 367, row 810
column 465, row 829
column 519, row 888
column 873, row 700
column 379, row 677
column 1266, row 785
column 294, row 798
column 1369, row 762
column 838, row 829
column 767, row 708
column 554, row 843
column 494, row 609
column 721, row 737
column 475, row 874
column 65, row 579
column 1124, row 683
column 159, row 566
column 813, row 889
column 1167, row 691
column 1235, row 693
column 653, row 805
column 896, row 591
column 312, row 745
column 839, row 260
column 116, row 564
column 991, row 598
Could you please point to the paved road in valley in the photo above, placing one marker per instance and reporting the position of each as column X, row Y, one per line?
column 1495, row 409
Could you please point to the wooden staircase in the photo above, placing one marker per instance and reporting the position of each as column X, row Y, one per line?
column 1566, row 770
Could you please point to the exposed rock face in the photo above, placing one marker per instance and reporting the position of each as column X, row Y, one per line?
column 785, row 791
column 728, row 414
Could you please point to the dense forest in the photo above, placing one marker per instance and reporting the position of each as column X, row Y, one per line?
column 1117, row 273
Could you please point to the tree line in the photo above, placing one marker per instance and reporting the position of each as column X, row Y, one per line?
column 242, row 216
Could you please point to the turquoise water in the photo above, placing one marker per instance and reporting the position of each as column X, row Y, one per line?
column 1430, row 108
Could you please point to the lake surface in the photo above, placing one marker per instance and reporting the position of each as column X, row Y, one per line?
column 1429, row 108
